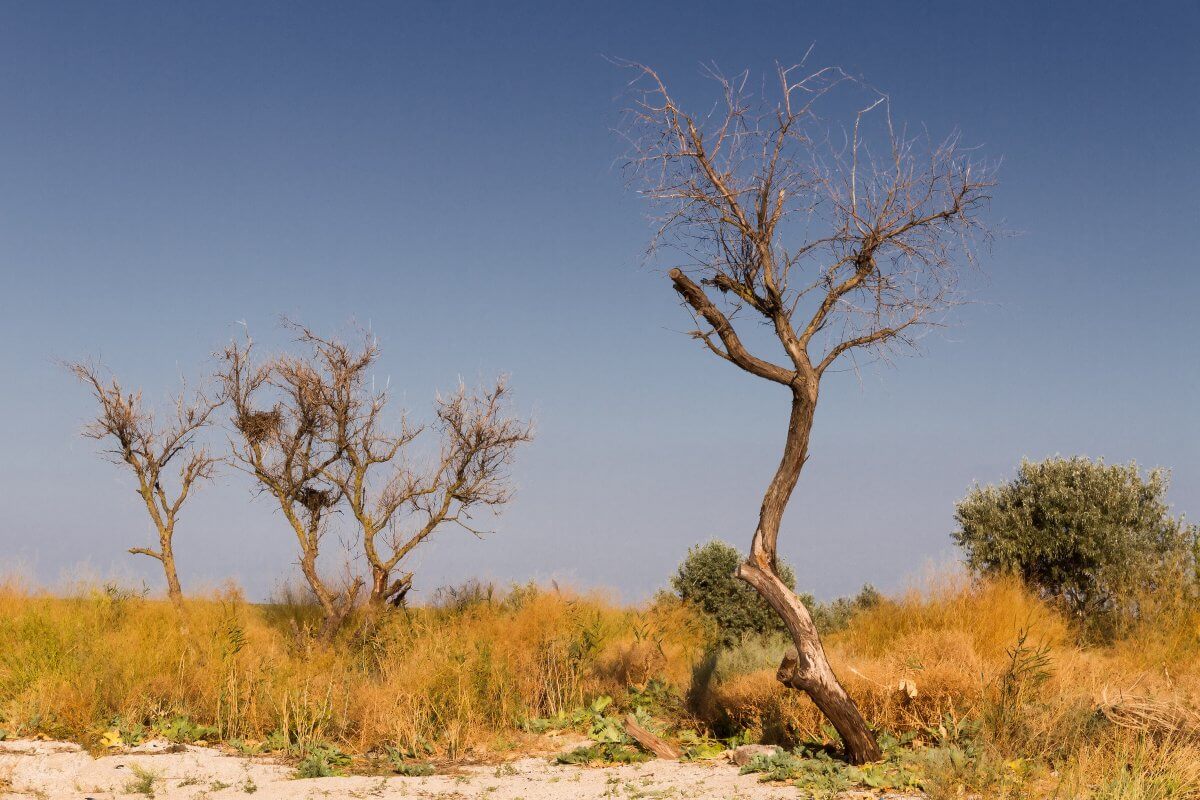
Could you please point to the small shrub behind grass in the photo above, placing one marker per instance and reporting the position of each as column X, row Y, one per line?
column 706, row 581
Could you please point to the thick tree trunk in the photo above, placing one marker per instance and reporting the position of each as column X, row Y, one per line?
column 385, row 591
column 380, row 580
column 334, row 618
column 805, row 667
column 164, row 523
column 335, row 607
column 165, row 555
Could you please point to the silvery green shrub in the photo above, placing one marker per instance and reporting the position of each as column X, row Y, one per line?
column 1096, row 538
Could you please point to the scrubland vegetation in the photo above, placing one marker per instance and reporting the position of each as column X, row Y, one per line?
column 974, row 684
column 1063, row 664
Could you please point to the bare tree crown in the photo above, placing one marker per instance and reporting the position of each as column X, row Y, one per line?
column 150, row 449
column 277, row 408
column 147, row 445
column 839, row 241
column 327, row 440
column 385, row 492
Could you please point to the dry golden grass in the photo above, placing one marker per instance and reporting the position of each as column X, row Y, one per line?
column 1117, row 721
column 988, row 661
column 73, row 667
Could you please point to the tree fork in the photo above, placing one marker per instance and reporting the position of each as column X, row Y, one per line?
column 166, row 557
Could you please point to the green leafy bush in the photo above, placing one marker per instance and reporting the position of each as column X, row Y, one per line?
column 603, row 753
column 181, row 729
column 942, row 762
column 417, row 769
column 611, row 743
column 1094, row 537
column 817, row 773
column 706, row 581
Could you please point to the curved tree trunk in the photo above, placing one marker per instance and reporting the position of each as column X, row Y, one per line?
column 805, row 666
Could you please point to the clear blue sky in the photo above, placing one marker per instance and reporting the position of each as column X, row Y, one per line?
column 443, row 172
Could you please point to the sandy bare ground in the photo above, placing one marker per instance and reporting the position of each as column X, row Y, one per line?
column 53, row 770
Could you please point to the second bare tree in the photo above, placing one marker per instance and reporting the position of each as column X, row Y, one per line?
column 396, row 503
column 311, row 430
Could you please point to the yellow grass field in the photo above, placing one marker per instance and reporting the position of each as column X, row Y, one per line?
column 982, row 668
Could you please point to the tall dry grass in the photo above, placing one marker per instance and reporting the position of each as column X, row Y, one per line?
column 986, row 662
column 451, row 678
column 991, row 661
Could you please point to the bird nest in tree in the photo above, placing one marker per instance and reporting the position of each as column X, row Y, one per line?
column 314, row 499
column 258, row 425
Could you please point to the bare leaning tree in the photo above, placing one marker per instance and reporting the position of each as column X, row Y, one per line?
column 833, row 243
column 395, row 504
column 163, row 455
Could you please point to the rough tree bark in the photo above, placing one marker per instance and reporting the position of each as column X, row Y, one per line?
column 805, row 666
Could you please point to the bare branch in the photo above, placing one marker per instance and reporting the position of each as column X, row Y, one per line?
column 734, row 351
column 479, row 440
column 833, row 246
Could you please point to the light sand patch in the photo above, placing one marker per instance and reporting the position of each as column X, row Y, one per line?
column 58, row 771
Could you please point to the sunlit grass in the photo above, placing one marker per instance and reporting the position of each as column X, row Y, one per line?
column 985, row 662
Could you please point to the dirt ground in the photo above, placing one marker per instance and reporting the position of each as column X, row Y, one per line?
column 39, row 770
